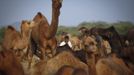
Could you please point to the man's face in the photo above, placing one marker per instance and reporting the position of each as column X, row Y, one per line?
column 66, row 39
column 82, row 31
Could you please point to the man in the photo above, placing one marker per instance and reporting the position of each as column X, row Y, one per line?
column 84, row 32
column 66, row 41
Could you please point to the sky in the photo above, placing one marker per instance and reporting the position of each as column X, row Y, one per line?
column 73, row 12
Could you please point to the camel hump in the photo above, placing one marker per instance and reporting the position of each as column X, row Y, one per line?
column 10, row 27
column 39, row 17
column 39, row 13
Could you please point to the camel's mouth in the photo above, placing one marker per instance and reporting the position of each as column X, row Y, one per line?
column 32, row 24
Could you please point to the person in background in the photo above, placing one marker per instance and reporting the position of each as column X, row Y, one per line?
column 66, row 41
column 83, row 32
column 127, row 43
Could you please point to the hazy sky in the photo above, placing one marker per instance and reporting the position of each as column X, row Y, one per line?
column 73, row 12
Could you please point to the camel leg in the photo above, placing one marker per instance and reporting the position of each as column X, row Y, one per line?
column 42, row 54
column 27, row 53
column 53, row 45
column 30, row 58
column 24, row 53
column 30, row 62
column 54, row 48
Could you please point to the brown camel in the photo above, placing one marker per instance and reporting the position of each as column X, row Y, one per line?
column 43, row 34
column 53, row 65
column 9, row 65
column 69, row 70
column 76, row 43
column 65, row 70
column 18, row 41
column 89, row 44
column 112, row 66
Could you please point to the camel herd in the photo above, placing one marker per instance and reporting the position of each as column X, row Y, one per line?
column 35, row 50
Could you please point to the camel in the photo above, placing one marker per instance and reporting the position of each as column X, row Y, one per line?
column 90, row 46
column 112, row 66
column 54, row 64
column 76, row 42
column 18, row 41
column 9, row 65
column 43, row 34
column 65, row 70
column 112, row 36
column 69, row 70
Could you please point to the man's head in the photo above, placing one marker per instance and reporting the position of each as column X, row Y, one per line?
column 66, row 39
column 82, row 29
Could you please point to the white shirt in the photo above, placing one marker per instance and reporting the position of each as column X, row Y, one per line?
column 63, row 43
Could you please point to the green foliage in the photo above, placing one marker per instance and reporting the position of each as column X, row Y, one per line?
column 121, row 27
column 89, row 25
column 72, row 30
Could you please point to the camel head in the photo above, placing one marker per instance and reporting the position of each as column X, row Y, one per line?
column 27, row 25
column 89, row 44
column 57, row 3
